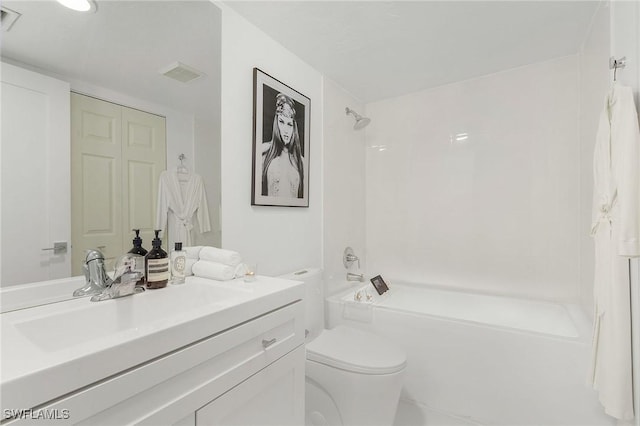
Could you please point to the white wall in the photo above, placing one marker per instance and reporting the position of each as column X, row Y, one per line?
column 495, row 212
column 594, row 84
column 344, row 184
column 279, row 239
column 207, row 142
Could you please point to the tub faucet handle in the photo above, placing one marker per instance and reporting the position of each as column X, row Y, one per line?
column 348, row 257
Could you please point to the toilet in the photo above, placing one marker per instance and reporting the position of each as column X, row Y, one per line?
column 353, row 378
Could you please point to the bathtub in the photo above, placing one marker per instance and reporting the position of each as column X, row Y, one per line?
column 479, row 359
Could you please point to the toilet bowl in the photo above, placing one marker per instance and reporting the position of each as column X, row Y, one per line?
column 353, row 378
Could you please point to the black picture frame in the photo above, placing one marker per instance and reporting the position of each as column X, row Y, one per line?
column 379, row 284
column 284, row 152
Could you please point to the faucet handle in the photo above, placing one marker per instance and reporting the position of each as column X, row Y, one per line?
column 348, row 257
column 93, row 254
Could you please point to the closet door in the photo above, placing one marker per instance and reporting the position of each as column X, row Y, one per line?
column 96, row 179
column 143, row 159
column 117, row 156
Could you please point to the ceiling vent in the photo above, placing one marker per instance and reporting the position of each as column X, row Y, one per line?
column 181, row 72
column 8, row 17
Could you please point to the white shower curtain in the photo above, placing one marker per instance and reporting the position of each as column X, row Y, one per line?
column 616, row 232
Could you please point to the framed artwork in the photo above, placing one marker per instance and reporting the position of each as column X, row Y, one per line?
column 280, row 166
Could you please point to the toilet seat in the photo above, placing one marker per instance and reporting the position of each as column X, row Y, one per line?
column 357, row 351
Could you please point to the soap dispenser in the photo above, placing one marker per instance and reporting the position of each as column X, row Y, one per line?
column 139, row 250
column 157, row 264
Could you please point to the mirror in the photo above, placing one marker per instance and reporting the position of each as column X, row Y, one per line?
column 119, row 53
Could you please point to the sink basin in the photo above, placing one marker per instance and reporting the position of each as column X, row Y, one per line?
column 132, row 314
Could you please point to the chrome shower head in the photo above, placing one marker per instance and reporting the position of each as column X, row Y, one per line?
column 361, row 122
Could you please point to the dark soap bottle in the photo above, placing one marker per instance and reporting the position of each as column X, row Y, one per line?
column 138, row 249
column 157, row 265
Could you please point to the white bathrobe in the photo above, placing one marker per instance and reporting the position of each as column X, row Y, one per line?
column 178, row 202
column 616, row 232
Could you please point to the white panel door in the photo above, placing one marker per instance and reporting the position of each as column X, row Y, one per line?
column 144, row 157
column 117, row 155
column 34, row 177
column 96, row 176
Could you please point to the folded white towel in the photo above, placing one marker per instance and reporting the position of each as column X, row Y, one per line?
column 213, row 270
column 188, row 269
column 226, row 257
column 193, row 252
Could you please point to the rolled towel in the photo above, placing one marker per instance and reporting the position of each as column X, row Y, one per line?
column 226, row 257
column 188, row 269
column 213, row 270
column 193, row 252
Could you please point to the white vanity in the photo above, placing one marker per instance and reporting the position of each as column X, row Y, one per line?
column 202, row 353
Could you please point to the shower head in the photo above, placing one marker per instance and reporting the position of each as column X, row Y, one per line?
column 361, row 122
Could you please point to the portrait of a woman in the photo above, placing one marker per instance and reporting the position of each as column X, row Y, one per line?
column 282, row 161
column 280, row 164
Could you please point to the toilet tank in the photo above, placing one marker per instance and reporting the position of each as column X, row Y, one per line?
column 313, row 299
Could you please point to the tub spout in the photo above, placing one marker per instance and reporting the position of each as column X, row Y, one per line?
column 355, row 277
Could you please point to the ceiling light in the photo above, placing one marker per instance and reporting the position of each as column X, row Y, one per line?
column 459, row 138
column 79, row 5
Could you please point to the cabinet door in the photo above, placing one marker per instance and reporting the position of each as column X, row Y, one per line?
column 273, row 396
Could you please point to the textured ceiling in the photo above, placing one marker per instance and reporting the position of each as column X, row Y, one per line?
column 381, row 49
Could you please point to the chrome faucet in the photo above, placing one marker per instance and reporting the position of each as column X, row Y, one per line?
column 355, row 277
column 96, row 277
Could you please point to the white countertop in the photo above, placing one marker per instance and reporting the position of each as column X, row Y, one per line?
column 51, row 350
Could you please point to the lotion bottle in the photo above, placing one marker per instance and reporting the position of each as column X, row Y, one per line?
column 178, row 264
column 157, row 265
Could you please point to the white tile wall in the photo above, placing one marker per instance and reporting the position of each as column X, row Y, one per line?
column 476, row 184
column 344, row 183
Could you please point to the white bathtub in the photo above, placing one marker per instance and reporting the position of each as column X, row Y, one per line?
column 481, row 359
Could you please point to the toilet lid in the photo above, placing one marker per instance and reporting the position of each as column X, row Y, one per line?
column 357, row 351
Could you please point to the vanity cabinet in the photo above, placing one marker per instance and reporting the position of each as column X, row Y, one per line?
column 248, row 374
column 271, row 397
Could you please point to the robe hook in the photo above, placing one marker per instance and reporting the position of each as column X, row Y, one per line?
column 614, row 64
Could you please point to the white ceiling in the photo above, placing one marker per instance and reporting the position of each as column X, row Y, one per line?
column 373, row 49
column 382, row 49
column 123, row 46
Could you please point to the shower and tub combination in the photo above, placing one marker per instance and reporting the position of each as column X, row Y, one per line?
column 479, row 359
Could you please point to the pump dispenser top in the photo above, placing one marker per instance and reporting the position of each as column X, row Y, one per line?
column 137, row 244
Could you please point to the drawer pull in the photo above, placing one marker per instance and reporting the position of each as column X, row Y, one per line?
column 267, row 343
